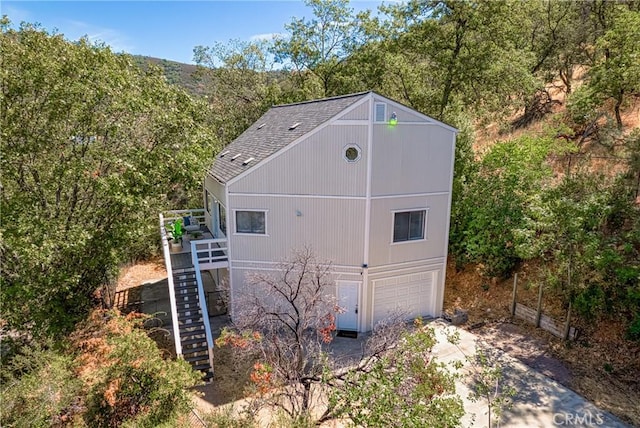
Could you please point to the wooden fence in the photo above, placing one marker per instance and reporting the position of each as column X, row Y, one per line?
column 561, row 329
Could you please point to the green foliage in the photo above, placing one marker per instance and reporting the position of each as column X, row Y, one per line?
column 617, row 73
column 493, row 206
column 404, row 387
column 105, row 149
column 586, row 229
column 228, row 417
column 110, row 374
column 316, row 49
column 489, row 384
column 39, row 388
column 126, row 379
column 633, row 331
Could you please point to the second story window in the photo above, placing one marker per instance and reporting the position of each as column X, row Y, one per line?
column 409, row 225
column 251, row 222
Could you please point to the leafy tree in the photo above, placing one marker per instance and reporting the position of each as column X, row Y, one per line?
column 617, row 74
column 587, row 231
column 458, row 51
column 489, row 384
column 92, row 148
column 318, row 47
column 240, row 84
column 39, row 387
column 494, row 204
column 402, row 386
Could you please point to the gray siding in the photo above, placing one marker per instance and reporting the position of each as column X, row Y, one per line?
column 315, row 166
column 411, row 158
column 333, row 228
column 359, row 113
column 405, row 115
column 383, row 251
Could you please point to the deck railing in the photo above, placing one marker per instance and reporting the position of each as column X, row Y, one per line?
column 210, row 253
column 173, row 215
column 172, row 295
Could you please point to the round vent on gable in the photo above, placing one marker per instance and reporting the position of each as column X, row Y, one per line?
column 351, row 153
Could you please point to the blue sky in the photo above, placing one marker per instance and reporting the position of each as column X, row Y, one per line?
column 163, row 29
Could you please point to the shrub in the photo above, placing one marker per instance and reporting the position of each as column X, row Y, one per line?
column 39, row 389
column 127, row 379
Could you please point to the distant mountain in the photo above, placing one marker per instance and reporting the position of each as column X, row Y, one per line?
column 177, row 73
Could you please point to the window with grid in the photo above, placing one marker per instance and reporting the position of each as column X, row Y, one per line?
column 409, row 225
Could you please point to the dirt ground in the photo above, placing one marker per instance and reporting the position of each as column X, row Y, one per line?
column 600, row 365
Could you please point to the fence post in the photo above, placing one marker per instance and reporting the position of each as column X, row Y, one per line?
column 567, row 323
column 539, row 311
column 515, row 292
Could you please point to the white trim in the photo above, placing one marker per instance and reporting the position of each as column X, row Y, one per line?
column 235, row 223
column 392, row 267
column 283, row 195
column 298, row 140
column 229, row 268
column 410, row 195
column 424, row 224
column 407, row 271
column 428, row 119
column 446, row 240
column 367, row 212
column 357, row 269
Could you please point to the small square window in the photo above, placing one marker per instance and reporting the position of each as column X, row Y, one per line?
column 250, row 222
column 409, row 225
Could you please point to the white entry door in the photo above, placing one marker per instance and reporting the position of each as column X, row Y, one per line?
column 348, row 301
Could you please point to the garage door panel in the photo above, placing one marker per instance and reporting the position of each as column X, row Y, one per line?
column 412, row 294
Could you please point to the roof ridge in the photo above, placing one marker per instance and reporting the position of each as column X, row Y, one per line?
column 337, row 97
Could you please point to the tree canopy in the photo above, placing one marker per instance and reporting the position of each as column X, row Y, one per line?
column 92, row 149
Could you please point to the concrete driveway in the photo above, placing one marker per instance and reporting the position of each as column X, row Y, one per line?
column 539, row 401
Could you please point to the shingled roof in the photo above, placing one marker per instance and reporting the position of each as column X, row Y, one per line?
column 275, row 130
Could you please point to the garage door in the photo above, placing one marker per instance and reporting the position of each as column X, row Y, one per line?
column 412, row 294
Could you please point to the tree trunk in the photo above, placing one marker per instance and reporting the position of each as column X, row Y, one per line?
column 617, row 108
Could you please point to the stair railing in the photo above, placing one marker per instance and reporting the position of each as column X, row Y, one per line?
column 203, row 303
column 172, row 294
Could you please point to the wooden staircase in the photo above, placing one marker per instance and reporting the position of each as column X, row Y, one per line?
column 193, row 336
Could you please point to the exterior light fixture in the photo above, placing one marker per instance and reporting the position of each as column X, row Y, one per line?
column 393, row 120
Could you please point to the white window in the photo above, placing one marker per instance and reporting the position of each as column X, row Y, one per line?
column 251, row 222
column 409, row 225
column 222, row 218
column 208, row 201
column 381, row 112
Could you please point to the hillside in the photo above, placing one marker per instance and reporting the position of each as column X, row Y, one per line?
column 184, row 75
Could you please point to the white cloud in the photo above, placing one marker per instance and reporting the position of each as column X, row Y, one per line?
column 16, row 15
column 115, row 39
column 265, row 36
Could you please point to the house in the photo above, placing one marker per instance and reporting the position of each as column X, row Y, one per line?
column 363, row 180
